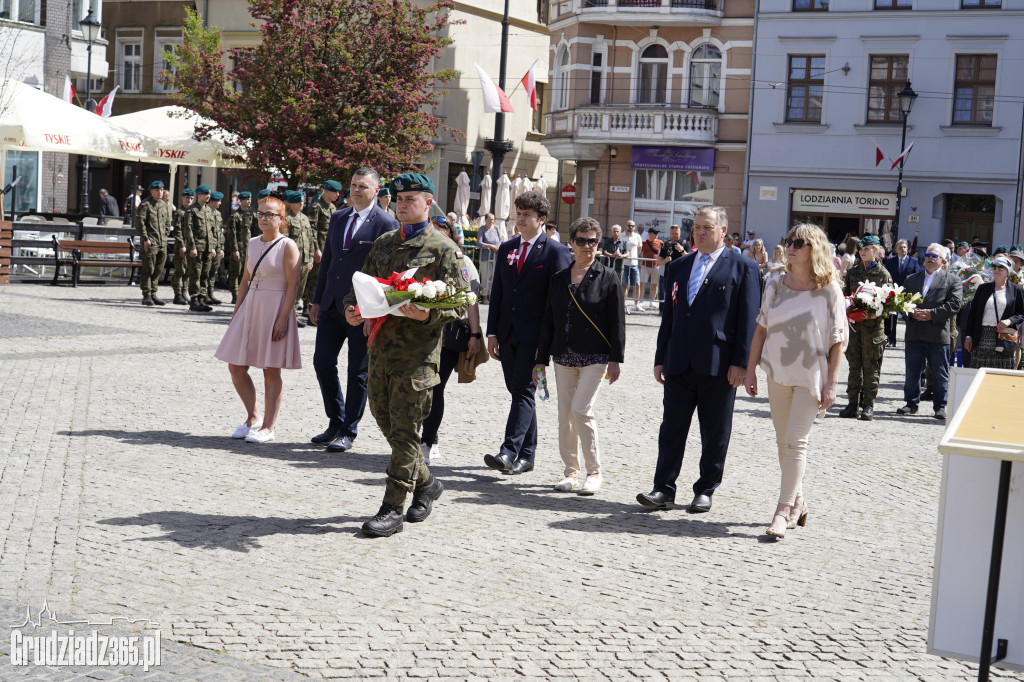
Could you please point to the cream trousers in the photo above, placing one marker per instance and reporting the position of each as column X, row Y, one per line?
column 577, row 389
column 793, row 410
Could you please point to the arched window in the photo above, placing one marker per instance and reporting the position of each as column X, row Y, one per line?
column 653, row 75
column 562, row 97
column 705, row 76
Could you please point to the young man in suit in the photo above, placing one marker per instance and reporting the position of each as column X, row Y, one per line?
column 350, row 235
column 900, row 265
column 712, row 300
column 525, row 265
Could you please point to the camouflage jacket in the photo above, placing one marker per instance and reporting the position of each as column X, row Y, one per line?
column 320, row 217
column 216, row 223
column 153, row 221
column 856, row 274
column 301, row 232
column 236, row 231
column 195, row 227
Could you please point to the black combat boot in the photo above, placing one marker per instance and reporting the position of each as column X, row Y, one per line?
column 234, row 297
column 158, row 301
column 210, row 300
column 867, row 412
column 180, row 300
column 147, row 300
column 423, row 500
column 851, row 410
column 388, row 521
column 299, row 322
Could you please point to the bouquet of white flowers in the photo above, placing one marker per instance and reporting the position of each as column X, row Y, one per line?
column 870, row 302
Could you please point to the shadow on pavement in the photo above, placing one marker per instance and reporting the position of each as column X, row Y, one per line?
column 646, row 523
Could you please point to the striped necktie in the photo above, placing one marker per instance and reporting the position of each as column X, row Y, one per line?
column 696, row 277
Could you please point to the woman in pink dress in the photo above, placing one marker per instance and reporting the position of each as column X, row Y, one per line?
column 263, row 332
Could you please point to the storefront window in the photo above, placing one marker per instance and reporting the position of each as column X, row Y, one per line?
column 670, row 184
column 26, row 193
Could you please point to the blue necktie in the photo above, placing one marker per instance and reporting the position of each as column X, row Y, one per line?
column 696, row 276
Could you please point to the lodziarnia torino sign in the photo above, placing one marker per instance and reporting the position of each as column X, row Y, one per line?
column 876, row 204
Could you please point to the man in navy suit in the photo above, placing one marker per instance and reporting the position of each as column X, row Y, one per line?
column 524, row 268
column 900, row 265
column 350, row 235
column 712, row 300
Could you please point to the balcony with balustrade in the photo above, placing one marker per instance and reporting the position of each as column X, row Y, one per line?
column 584, row 132
column 640, row 12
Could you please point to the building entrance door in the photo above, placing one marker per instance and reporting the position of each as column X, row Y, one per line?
column 969, row 216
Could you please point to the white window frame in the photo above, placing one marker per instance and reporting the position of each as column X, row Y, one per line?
column 638, row 63
column 121, row 61
column 588, row 185
column 692, row 62
column 603, row 69
column 563, row 77
column 158, row 60
column 15, row 10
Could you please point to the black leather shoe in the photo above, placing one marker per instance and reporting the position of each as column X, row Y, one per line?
column 330, row 435
column 521, row 466
column 502, row 463
column 867, row 413
column 386, row 522
column 849, row 412
column 940, row 413
column 147, row 300
column 700, row 504
column 423, row 500
column 343, row 444
column 907, row 409
column 159, row 301
column 656, row 500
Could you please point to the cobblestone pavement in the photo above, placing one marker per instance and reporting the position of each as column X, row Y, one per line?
column 121, row 495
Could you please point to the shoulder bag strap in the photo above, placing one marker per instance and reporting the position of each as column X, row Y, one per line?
column 580, row 308
column 264, row 255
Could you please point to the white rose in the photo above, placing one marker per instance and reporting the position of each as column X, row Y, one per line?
column 429, row 291
column 471, row 297
column 416, row 288
column 440, row 287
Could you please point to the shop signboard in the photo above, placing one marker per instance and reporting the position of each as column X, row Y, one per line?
column 674, row 158
column 874, row 204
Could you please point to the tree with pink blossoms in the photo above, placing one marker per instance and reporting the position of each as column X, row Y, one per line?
column 332, row 85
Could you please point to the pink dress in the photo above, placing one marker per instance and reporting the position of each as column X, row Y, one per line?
column 248, row 340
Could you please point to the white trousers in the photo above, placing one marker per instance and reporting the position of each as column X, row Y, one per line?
column 577, row 389
column 793, row 411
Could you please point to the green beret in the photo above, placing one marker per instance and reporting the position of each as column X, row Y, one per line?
column 203, row 189
column 412, row 182
column 244, row 195
column 331, row 186
column 868, row 240
column 962, row 244
column 216, row 196
column 156, row 184
column 188, row 192
column 1002, row 248
column 263, row 194
column 293, row 196
column 384, row 192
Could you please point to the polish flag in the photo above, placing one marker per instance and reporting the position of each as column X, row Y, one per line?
column 903, row 156
column 879, row 156
column 494, row 99
column 529, row 82
column 107, row 103
column 695, row 176
column 69, row 90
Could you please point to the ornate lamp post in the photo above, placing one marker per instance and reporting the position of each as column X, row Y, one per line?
column 91, row 31
column 907, row 97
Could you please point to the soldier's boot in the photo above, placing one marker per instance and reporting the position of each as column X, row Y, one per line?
column 234, row 297
column 299, row 322
column 158, row 301
column 210, row 300
column 180, row 300
column 850, row 411
column 386, row 522
column 423, row 500
column 867, row 412
column 147, row 300
column 204, row 305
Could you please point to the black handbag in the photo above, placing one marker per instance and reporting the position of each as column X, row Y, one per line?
column 455, row 336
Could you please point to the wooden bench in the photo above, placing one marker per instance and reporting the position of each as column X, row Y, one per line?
column 79, row 254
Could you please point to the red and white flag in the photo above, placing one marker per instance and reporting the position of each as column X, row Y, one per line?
column 495, row 99
column 69, row 90
column 879, row 156
column 695, row 176
column 903, row 156
column 107, row 103
column 529, row 82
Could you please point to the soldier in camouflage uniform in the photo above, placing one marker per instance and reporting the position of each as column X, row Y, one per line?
column 216, row 219
column 319, row 214
column 384, row 200
column 301, row 233
column 254, row 226
column 197, row 233
column 867, row 338
column 236, row 242
column 153, row 222
column 179, row 280
column 404, row 357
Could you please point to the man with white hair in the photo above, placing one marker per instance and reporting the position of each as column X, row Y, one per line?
column 927, row 335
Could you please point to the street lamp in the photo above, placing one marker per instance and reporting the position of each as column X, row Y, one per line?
column 906, row 97
column 91, row 30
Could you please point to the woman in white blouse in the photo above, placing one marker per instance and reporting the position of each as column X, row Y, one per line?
column 799, row 341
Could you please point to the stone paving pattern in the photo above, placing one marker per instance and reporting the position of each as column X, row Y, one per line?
column 122, row 494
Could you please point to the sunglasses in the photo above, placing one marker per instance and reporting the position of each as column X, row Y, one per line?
column 267, row 216
column 999, row 267
column 795, row 243
column 584, row 241
column 932, row 255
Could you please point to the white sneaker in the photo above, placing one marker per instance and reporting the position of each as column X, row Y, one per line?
column 425, row 451
column 243, row 429
column 435, row 452
column 591, row 485
column 566, row 484
column 639, row 307
column 259, row 435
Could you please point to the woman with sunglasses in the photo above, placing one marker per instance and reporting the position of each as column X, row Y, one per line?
column 799, row 340
column 997, row 307
column 584, row 330
column 263, row 332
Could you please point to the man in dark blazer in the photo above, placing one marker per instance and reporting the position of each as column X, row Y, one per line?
column 712, row 300
column 350, row 235
column 900, row 265
column 928, row 329
column 519, row 293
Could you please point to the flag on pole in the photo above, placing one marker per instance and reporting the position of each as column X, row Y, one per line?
column 494, row 99
column 529, row 82
column 107, row 103
column 903, row 156
column 69, row 90
column 879, row 156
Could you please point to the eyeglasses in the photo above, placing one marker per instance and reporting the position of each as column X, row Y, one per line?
column 584, row 241
column 999, row 267
column 267, row 216
column 795, row 243
column 932, row 255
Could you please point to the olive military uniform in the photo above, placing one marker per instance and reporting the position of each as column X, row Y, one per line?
column 236, row 238
column 867, row 339
column 153, row 222
column 320, row 218
column 218, row 240
column 179, row 280
column 198, row 234
column 301, row 232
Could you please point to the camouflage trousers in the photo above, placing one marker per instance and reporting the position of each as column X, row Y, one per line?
column 400, row 401
column 306, row 293
column 199, row 272
column 235, row 270
column 303, row 278
column 153, row 262
column 867, row 343
column 179, row 280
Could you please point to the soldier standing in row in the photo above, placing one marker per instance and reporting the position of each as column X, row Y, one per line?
column 179, row 280
column 254, row 226
column 384, row 200
column 301, row 233
column 216, row 219
column 236, row 242
column 153, row 222
column 199, row 240
column 320, row 214
column 867, row 338
column 405, row 355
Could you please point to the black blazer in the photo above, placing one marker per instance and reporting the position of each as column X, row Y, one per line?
column 338, row 265
column 899, row 275
column 1014, row 307
column 600, row 296
column 944, row 299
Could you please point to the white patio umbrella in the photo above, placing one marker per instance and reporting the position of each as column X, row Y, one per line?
column 527, row 184
column 462, row 194
column 485, row 195
column 517, row 188
column 503, row 201
column 170, row 136
column 542, row 185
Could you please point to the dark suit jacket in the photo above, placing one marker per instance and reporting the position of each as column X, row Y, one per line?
column 1014, row 308
column 517, row 300
column 715, row 332
column 600, row 296
column 899, row 275
column 108, row 206
column 945, row 296
column 338, row 265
